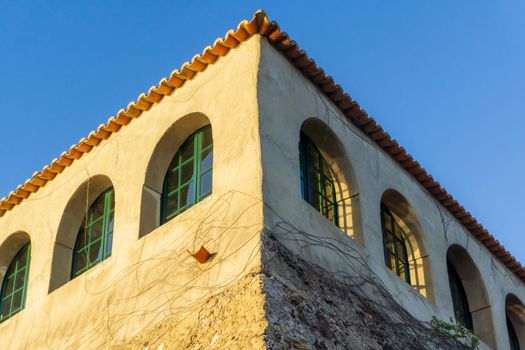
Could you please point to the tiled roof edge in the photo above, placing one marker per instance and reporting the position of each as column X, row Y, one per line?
column 144, row 102
column 358, row 116
column 280, row 40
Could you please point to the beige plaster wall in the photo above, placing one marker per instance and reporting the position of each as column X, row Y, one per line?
column 149, row 279
column 256, row 103
column 286, row 101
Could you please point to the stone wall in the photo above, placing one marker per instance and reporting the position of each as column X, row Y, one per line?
column 232, row 319
column 291, row 304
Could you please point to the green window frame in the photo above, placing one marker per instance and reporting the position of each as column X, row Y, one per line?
column 317, row 181
column 459, row 298
column 394, row 245
column 189, row 176
column 95, row 237
column 14, row 285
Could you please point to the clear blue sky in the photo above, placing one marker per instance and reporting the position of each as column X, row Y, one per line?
column 444, row 78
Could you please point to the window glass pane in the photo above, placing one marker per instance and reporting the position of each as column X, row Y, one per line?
column 313, row 158
column 81, row 238
column 313, row 184
column 109, row 244
column 172, row 180
column 390, row 261
column 95, row 251
column 328, row 210
column 96, row 229
column 186, row 150
column 315, row 201
column 402, row 270
column 111, row 199
column 6, row 306
column 187, row 195
column 172, row 203
column 20, row 278
column 513, row 336
column 81, row 260
column 206, row 137
column 317, row 186
column 389, row 245
column 111, row 222
column 93, row 237
column 328, row 189
column 399, row 249
column 206, row 183
column 395, row 245
column 302, row 163
column 22, row 259
column 326, row 170
column 9, row 285
column 387, row 222
column 17, row 301
column 187, row 173
column 459, row 298
column 14, row 283
column 398, row 231
column 97, row 209
column 206, row 159
column 181, row 193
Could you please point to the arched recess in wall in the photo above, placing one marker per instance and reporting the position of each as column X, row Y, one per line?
column 515, row 318
column 332, row 150
column 73, row 216
column 477, row 303
column 15, row 258
column 404, row 243
column 159, row 162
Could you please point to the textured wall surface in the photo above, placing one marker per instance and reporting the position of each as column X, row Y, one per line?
column 148, row 277
column 309, row 285
column 232, row 319
column 288, row 102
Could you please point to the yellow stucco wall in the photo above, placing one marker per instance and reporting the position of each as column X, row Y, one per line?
column 149, row 278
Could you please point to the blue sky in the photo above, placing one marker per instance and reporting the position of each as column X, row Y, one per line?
column 444, row 78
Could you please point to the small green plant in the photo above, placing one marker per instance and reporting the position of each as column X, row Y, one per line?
column 454, row 330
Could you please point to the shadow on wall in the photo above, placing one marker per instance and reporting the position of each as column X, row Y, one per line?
column 476, row 293
column 418, row 257
column 159, row 161
column 346, row 188
column 74, row 213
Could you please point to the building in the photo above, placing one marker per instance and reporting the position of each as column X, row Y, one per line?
column 247, row 202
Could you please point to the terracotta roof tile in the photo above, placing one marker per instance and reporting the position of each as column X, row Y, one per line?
column 261, row 25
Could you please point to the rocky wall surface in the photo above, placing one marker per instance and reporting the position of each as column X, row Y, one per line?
column 290, row 304
column 308, row 308
column 232, row 319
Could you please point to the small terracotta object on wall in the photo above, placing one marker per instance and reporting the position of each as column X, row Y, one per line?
column 202, row 256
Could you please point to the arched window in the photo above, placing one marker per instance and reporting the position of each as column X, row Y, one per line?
column 95, row 237
column 404, row 247
column 396, row 256
column 470, row 301
column 515, row 318
column 317, row 183
column 14, row 285
column 189, row 176
column 459, row 298
column 513, row 336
